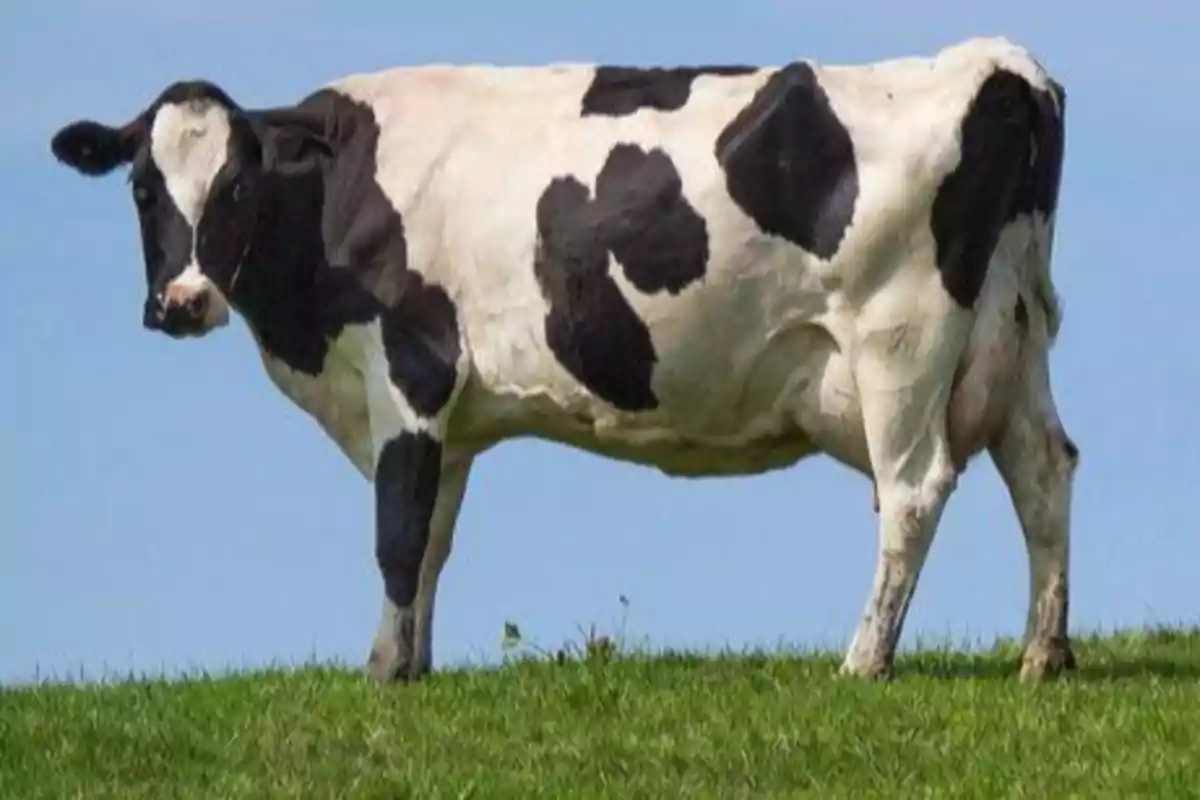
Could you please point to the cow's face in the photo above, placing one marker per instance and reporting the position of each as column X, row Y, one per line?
column 196, row 175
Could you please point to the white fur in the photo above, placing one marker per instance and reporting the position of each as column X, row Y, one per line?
column 189, row 143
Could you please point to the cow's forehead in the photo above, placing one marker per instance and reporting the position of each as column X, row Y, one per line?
column 189, row 143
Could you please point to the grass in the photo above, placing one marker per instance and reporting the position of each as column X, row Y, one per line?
column 602, row 723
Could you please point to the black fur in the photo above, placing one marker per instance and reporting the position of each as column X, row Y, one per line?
column 640, row 218
column 789, row 162
column 620, row 91
column 406, row 487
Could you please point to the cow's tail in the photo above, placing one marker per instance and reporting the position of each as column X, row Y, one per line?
column 1045, row 176
column 1018, row 291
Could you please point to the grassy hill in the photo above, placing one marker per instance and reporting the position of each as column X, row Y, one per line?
column 1127, row 724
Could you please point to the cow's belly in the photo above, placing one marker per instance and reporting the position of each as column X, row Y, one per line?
column 762, row 398
column 725, row 408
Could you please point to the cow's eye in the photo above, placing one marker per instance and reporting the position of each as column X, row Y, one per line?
column 141, row 195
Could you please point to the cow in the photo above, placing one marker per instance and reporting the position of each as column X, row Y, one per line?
column 706, row 270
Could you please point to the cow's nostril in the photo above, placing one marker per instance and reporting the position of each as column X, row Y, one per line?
column 197, row 304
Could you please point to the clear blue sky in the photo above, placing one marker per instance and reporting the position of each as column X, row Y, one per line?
column 164, row 508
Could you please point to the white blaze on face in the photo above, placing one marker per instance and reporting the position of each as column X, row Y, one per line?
column 189, row 143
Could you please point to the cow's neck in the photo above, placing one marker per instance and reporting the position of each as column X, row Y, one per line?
column 276, row 289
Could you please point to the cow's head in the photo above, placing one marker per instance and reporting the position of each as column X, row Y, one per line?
column 198, row 166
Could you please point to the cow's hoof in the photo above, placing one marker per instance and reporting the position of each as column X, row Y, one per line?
column 1046, row 660
column 390, row 667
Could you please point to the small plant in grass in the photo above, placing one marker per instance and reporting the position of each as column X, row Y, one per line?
column 593, row 648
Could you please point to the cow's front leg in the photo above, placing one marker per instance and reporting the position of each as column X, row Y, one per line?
column 414, row 368
column 419, row 488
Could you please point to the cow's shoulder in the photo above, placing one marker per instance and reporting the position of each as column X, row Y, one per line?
column 369, row 275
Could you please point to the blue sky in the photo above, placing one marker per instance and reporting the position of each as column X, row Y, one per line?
column 164, row 508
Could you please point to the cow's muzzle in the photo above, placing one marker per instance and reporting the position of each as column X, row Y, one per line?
column 182, row 311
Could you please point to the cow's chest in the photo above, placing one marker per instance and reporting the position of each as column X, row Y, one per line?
column 336, row 398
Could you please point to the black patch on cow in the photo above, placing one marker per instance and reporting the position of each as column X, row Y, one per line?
column 227, row 224
column 620, row 91
column 420, row 337
column 406, row 488
column 643, row 218
column 167, row 237
column 1040, row 185
column 640, row 216
column 590, row 327
column 331, row 251
column 982, row 194
column 789, row 162
column 292, row 299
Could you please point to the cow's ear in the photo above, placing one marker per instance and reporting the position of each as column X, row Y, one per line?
column 291, row 137
column 93, row 148
column 293, row 144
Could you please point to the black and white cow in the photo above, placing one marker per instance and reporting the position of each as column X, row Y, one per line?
column 711, row 271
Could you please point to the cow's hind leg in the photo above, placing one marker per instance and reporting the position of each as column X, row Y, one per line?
column 419, row 489
column 904, row 374
column 1037, row 462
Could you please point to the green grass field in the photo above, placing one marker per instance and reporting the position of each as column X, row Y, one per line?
column 604, row 724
